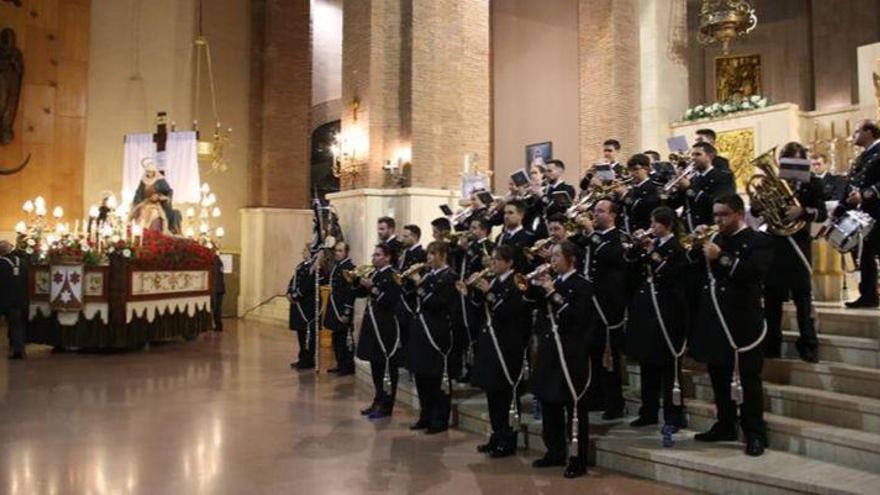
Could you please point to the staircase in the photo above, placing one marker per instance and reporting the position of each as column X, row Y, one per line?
column 823, row 420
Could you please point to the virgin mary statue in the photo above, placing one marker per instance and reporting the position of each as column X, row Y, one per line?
column 151, row 207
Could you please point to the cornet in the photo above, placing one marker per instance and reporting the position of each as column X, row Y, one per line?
column 484, row 273
column 699, row 238
column 688, row 173
column 357, row 272
column 401, row 277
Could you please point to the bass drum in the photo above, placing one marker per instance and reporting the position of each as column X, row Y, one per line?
column 847, row 232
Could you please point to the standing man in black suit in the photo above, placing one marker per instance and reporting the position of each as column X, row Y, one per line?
column 792, row 272
column 412, row 254
column 863, row 192
column 708, row 136
column 217, row 291
column 555, row 184
column 13, row 297
column 698, row 195
column 730, row 322
column 641, row 197
column 339, row 317
column 386, row 228
column 833, row 186
column 514, row 234
column 301, row 294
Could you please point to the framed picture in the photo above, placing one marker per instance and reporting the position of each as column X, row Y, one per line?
column 541, row 152
column 737, row 76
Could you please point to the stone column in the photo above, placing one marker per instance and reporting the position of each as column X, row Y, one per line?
column 608, row 45
column 281, row 104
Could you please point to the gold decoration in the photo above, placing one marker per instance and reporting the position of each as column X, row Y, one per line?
column 723, row 20
column 738, row 146
column 737, row 76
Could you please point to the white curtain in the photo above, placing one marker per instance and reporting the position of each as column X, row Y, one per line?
column 180, row 163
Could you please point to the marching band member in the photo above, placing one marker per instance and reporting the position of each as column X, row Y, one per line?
column 730, row 323
column 472, row 316
column 708, row 136
column 301, row 295
column 532, row 196
column 441, row 229
column 833, row 186
column 514, row 234
column 386, row 229
column 698, row 195
column 379, row 339
column 429, row 353
column 863, row 192
column 661, row 171
column 412, row 253
column 562, row 375
column 658, row 321
column 610, row 151
column 606, row 269
column 339, row 317
column 640, row 198
column 498, row 367
column 555, row 184
column 792, row 272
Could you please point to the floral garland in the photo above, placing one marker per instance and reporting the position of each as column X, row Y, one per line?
column 732, row 105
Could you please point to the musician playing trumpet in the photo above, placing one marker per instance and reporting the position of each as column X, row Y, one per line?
column 339, row 317
column 697, row 195
column 641, row 197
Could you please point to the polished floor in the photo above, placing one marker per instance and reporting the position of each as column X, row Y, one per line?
column 225, row 414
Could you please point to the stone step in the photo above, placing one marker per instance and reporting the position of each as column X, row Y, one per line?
column 834, row 319
column 819, row 406
column 829, row 376
column 859, row 351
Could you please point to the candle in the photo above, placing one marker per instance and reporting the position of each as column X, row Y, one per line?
column 58, row 212
column 28, row 206
column 76, row 227
column 220, row 232
column 467, row 163
column 20, row 227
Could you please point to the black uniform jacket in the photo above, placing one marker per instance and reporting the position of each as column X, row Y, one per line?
column 340, row 304
column 301, row 289
column 700, row 196
column 509, row 319
column 574, row 316
column 665, row 266
column 379, row 315
column 434, row 320
column 739, row 274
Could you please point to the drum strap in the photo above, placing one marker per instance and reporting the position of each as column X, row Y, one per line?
column 801, row 255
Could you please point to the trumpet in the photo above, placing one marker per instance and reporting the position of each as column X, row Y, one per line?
column 699, row 238
column 358, row 272
column 537, row 272
column 536, row 249
column 401, row 277
column 688, row 173
column 484, row 273
column 453, row 237
column 638, row 238
column 461, row 215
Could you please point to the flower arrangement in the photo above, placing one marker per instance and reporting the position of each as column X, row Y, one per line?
column 730, row 106
column 161, row 252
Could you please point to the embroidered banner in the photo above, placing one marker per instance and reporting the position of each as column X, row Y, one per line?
column 170, row 282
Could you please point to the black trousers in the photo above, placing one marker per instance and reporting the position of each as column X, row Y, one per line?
column 217, row 310
column 499, row 414
column 868, row 266
column 381, row 397
column 434, row 402
column 803, row 303
column 606, row 387
column 306, row 354
column 656, row 380
column 557, row 429
column 15, row 322
column 343, row 352
column 751, row 410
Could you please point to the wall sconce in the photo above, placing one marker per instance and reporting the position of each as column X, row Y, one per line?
column 350, row 146
column 394, row 166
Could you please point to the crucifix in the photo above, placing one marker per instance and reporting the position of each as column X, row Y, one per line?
column 161, row 135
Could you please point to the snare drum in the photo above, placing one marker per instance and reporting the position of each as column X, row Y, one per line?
column 847, row 231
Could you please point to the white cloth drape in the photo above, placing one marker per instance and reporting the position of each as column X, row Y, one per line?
column 180, row 164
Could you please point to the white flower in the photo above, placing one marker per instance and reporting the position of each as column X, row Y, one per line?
column 114, row 239
column 31, row 242
column 746, row 105
column 126, row 252
column 727, row 108
column 85, row 247
column 762, row 103
column 111, row 249
column 689, row 113
column 755, row 98
column 699, row 108
column 29, row 250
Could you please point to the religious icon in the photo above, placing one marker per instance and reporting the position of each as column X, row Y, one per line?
column 538, row 154
column 151, row 206
column 737, row 76
column 11, row 72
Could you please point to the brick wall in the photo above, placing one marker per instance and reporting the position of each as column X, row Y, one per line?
column 608, row 39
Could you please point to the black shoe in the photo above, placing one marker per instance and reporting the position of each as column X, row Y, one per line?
column 547, row 461
column 717, row 433
column 503, row 451
column 369, row 410
column 380, row 412
column 754, row 446
column 861, row 303
column 809, row 355
column 304, row 366
column 575, row 469
column 333, row 370
column 16, row 355
column 643, row 421
column 345, row 372
column 421, row 424
column 610, row 414
column 433, row 430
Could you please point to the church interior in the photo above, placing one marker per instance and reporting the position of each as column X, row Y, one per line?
column 171, row 168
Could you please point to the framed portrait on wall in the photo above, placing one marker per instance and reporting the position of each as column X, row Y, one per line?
column 541, row 152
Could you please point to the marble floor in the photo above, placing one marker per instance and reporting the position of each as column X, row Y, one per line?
column 225, row 414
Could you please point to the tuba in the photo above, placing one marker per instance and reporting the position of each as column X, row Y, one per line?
column 772, row 196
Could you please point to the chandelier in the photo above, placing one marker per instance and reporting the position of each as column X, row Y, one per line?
column 210, row 149
column 723, row 20
column 350, row 146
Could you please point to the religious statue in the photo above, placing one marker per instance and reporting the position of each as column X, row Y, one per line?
column 151, row 206
column 11, row 72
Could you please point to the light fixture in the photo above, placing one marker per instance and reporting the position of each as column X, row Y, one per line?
column 350, row 146
column 721, row 21
column 210, row 149
column 58, row 212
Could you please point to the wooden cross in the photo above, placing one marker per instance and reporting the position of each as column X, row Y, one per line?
column 161, row 135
